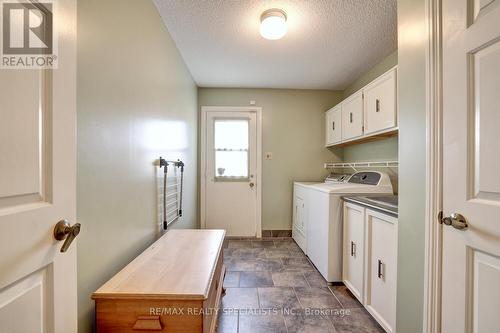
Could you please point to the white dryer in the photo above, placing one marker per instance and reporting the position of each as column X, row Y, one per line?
column 324, row 220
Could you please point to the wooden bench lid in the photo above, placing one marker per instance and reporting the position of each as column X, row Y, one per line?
column 178, row 266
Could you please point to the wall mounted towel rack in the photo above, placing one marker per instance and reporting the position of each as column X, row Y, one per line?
column 172, row 209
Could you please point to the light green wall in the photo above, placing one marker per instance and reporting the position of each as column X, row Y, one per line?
column 136, row 101
column 387, row 63
column 386, row 149
column 412, row 158
column 382, row 150
column 294, row 131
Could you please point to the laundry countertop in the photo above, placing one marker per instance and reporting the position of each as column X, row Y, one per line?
column 384, row 203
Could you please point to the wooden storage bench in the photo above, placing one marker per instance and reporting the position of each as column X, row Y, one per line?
column 175, row 285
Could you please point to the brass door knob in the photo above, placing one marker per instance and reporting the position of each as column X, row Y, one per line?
column 63, row 230
column 457, row 221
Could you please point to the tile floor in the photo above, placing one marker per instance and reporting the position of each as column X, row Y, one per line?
column 272, row 287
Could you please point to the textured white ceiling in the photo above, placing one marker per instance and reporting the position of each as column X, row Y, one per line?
column 329, row 43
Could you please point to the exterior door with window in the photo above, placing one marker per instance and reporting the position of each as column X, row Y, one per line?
column 471, row 166
column 230, row 172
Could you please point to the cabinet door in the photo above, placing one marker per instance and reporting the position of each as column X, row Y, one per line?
column 299, row 230
column 299, row 213
column 380, row 103
column 333, row 125
column 353, row 258
column 352, row 116
column 381, row 268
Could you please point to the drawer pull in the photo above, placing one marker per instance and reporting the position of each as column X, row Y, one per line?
column 353, row 249
column 147, row 323
column 350, row 117
column 379, row 273
column 333, row 126
column 377, row 105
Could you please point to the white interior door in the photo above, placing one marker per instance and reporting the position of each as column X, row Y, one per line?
column 37, row 189
column 471, row 157
column 230, row 197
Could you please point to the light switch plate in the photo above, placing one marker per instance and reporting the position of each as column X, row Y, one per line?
column 269, row 156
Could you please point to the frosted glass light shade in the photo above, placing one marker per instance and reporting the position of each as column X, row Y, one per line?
column 273, row 24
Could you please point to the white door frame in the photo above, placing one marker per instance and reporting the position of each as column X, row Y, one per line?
column 203, row 155
column 434, row 169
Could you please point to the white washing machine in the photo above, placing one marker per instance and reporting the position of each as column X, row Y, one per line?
column 300, row 206
column 324, row 218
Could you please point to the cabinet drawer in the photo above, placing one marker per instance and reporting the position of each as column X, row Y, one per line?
column 140, row 315
column 380, row 103
column 352, row 116
column 381, row 268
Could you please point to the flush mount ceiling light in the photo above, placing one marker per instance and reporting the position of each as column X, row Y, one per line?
column 273, row 24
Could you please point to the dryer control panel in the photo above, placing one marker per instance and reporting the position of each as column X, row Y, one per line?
column 366, row 178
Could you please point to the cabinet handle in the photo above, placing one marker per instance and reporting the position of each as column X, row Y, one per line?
column 379, row 273
column 333, row 126
column 377, row 105
column 350, row 117
column 353, row 249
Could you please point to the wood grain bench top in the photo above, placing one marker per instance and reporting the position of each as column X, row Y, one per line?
column 178, row 266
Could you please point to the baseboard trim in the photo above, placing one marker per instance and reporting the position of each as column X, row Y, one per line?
column 276, row 233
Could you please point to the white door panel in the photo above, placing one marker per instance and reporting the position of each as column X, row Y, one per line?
column 353, row 263
column 38, row 189
column 334, row 125
column 380, row 103
column 328, row 127
column 381, row 268
column 352, row 116
column 471, row 162
column 231, row 172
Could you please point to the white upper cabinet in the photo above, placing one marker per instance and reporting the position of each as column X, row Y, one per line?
column 352, row 116
column 334, row 125
column 380, row 103
column 370, row 112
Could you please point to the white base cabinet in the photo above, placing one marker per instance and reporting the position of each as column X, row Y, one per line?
column 370, row 261
column 381, row 268
column 354, row 239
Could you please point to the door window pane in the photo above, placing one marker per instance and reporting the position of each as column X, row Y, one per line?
column 231, row 148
